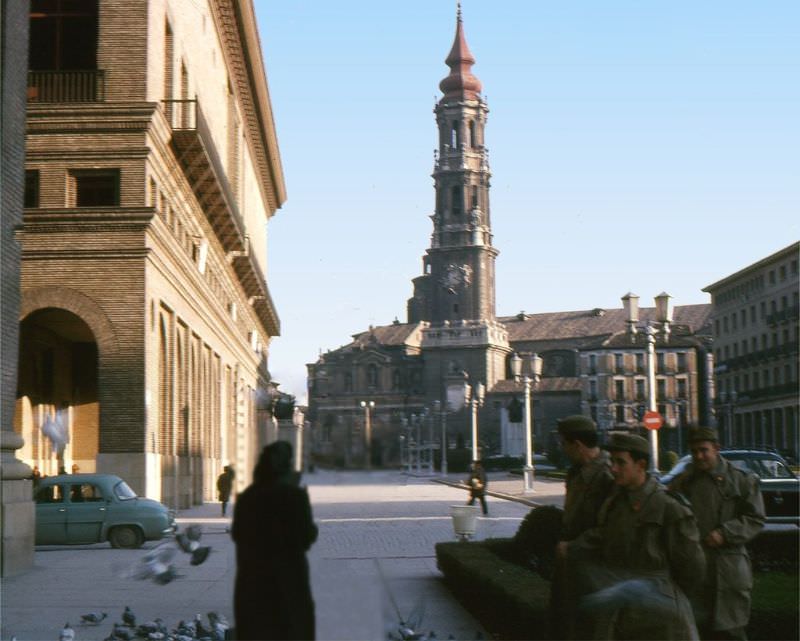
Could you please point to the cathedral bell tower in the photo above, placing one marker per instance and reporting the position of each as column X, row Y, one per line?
column 455, row 295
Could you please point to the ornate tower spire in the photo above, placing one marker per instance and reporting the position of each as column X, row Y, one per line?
column 461, row 83
column 458, row 284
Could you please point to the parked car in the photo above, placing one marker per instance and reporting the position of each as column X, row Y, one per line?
column 779, row 486
column 92, row 508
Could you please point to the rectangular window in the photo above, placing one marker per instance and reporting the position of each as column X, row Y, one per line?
column 640, row 363
column 661, row 389
column 96, row 188
column 782, row 272
column 640, row 393
column 734, row 324
column 620, row 413
column 619, row 363
column 681, row 387
column 744, row 318
column 592, row 363
column 593, row 390
column 725, row 324
column 752, row 313
column 660, row 362
column 772, row 277
column 682, row 361
column 619, row 390
column 593, row 412
column 31, row 188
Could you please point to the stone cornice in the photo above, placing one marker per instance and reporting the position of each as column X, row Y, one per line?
column 236, row 23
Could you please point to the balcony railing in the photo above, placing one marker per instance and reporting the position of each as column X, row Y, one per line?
column 66, row 86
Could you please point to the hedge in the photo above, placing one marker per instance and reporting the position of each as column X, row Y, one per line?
column 512, row 601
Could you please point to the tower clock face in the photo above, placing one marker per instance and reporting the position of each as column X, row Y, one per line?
column 456, row 276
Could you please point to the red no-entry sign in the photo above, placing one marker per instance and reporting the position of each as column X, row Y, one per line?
column 652, row 420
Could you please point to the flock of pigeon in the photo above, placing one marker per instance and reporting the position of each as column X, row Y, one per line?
column 157, row 565
column 217, row 628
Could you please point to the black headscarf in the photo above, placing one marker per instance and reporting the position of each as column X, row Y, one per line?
column 274, row 465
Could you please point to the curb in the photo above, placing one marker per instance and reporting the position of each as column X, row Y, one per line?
column 499, row 495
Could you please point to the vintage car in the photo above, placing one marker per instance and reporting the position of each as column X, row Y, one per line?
column 779, row 486
column 91, row 508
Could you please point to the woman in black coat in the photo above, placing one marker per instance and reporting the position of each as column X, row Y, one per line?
column 273, row 528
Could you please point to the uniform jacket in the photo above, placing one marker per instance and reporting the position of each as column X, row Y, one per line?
column 588, row 486
column 647, row 535
column 730, row 500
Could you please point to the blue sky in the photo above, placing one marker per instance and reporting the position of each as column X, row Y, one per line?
column 640, row 146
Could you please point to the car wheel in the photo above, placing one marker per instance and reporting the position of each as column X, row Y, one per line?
column 126, row 536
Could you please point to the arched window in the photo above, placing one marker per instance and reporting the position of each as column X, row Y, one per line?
column 456, row 197
column 372, row 375
column 473, row 141
column 455, row 138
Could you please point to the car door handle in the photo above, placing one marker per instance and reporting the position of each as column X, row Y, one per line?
column 102, row 509
column 778, row 499
column 62, row 509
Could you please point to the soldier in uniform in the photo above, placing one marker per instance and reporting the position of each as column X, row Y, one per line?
column 649, row 554
column 729, row 508
column 588, row 484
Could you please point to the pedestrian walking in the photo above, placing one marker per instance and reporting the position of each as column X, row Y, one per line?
column 477, row 485
column 224, row 487
column 649, row 554
column 588, row 484
column 729, row 508
column 273, row 528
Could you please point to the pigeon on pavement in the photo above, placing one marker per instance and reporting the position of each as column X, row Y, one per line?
column 128, row 617
column 67, row 633
column 93, row 618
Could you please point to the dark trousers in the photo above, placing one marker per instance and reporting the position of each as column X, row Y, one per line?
column 734, row 634
column 482, row 498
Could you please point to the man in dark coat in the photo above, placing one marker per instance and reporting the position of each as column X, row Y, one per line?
column 273, row 528
column 729, row 508
column 224, row 487
column 477, row 485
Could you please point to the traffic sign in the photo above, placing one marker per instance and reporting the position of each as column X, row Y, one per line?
column 652, row 420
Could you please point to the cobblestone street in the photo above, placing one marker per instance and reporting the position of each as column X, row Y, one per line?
column 374, row 558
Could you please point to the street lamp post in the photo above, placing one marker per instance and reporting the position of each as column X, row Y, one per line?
column 476, row 393
column 368, row 405
column 528, row 382
column 663, row 319
column 442, row 410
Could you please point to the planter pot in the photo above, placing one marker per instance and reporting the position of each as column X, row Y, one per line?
column 465, row 520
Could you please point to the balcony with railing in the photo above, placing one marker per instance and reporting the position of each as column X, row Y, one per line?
column 83, row 85
column 197, row 154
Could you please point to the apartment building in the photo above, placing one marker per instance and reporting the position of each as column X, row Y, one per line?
column 755, row 324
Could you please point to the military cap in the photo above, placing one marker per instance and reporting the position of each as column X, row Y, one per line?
column 625, row 442
column 703, row 434
column 575, row 425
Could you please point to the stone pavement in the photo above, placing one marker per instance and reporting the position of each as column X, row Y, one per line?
column 374, row 562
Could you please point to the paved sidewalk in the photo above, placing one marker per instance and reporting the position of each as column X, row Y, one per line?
column 375, row 557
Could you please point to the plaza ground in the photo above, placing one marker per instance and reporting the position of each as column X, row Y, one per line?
column 373, row 563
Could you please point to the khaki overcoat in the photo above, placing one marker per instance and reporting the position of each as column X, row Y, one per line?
column 647, row 535
column 727, row 499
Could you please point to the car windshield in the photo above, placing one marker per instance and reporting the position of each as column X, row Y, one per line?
column 123, row 491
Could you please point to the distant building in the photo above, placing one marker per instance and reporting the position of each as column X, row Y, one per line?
column 152, row 170
column 755, row 320
column 413, row 371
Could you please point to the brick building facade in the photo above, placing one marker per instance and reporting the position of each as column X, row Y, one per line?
column 151, row 173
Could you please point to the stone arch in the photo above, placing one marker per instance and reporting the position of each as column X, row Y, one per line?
column 79, row 304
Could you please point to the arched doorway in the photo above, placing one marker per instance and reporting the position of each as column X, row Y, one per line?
column 58, row 388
